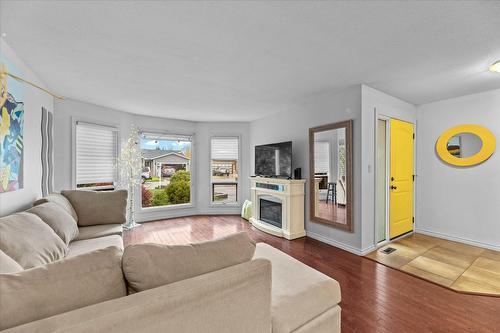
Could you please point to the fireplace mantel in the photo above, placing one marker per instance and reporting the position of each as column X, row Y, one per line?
column 290, row 192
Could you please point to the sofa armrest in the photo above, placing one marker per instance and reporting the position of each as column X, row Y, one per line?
column 234, row 299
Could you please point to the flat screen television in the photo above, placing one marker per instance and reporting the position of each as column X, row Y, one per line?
column 274, row 160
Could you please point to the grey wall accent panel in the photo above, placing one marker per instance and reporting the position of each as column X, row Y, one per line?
column 47, row 150
column 50, row 152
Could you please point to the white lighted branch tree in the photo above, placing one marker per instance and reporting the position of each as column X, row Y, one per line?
column 130, row 166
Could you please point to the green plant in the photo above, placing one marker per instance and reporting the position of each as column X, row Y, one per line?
column 178, row 192
column 181, row 175
column 160, row 198
column 342, row 159
column 152, row 180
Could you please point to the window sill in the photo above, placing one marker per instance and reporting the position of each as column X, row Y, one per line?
column 96, row 188
column 169, row 207
column 219, row 205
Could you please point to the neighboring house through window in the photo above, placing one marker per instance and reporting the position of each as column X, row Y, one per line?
column 166, row 173
column 96, row 152
column 224, row 155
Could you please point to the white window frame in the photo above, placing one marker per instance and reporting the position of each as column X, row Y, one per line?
column 192, row 187
column 238, row 167
column 74, row 121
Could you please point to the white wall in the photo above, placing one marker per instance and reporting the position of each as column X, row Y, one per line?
column 459, row 203
column 293, row 125
column 375, row 103
column 34, row 100
column 68, row 109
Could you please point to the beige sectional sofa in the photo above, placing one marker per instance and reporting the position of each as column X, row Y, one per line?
column 92, row 234
column 90, row 284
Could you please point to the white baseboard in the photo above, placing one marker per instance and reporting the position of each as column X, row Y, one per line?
column 368, row 249
column 220, row 211
column 295, row 235
column 458, row 239
column 340, row 245
column 163, row 214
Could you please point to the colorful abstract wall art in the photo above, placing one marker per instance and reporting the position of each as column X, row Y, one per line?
column 11, row 130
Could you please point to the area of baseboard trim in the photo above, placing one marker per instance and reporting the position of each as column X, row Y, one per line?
column 145, row 216
column 340, row 245
column 458, row 239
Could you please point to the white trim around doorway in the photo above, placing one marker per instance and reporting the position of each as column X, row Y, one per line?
column 386, row 118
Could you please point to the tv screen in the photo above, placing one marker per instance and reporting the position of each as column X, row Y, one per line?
column 274, row 160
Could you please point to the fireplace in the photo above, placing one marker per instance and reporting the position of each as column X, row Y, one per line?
column 271, row 211
column 278, row 206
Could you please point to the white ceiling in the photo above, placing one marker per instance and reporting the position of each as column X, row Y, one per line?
column 244, row 60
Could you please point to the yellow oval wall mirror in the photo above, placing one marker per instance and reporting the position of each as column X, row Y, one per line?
column 466, row 145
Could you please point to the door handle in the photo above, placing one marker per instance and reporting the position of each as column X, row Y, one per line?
column 393, row 187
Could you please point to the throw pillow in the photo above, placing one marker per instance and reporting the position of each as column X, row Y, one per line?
column 61, row 201
column 8, row 265
column 93, row 208
column 63, row 224
column 60, row 287
column 29, row 241
column 149, row 266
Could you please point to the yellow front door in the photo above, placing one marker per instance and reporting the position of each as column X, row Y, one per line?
column 401, row 181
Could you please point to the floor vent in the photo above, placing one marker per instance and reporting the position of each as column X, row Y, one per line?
column 388, row 250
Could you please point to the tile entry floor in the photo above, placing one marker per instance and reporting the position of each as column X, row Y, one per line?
column 461, row 267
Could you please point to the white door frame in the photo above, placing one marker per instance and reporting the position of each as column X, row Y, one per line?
column 387, row 175
column 381, row 116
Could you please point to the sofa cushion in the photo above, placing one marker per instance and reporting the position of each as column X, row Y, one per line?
column 61, row 201
column 63, row 224
column 93, row 207
column 236, row 299
column 77, row 248
column 299, row 292
column 8, row 265
column 29, row 241
column 95, row 231
column 61, row 286
column 148, row 266
column 327, row 322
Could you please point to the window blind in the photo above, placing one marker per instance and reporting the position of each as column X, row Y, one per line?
column 225, row 149
column 96, row 153
column 321, row 157
column 166, row 136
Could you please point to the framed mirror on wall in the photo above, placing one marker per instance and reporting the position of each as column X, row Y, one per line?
column 466, row 145
column 330, row 174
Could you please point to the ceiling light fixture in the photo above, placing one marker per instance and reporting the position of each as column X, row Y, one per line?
column 495, row 67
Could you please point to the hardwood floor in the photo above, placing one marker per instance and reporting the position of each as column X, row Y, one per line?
column 375, row 298
column 332, row 212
